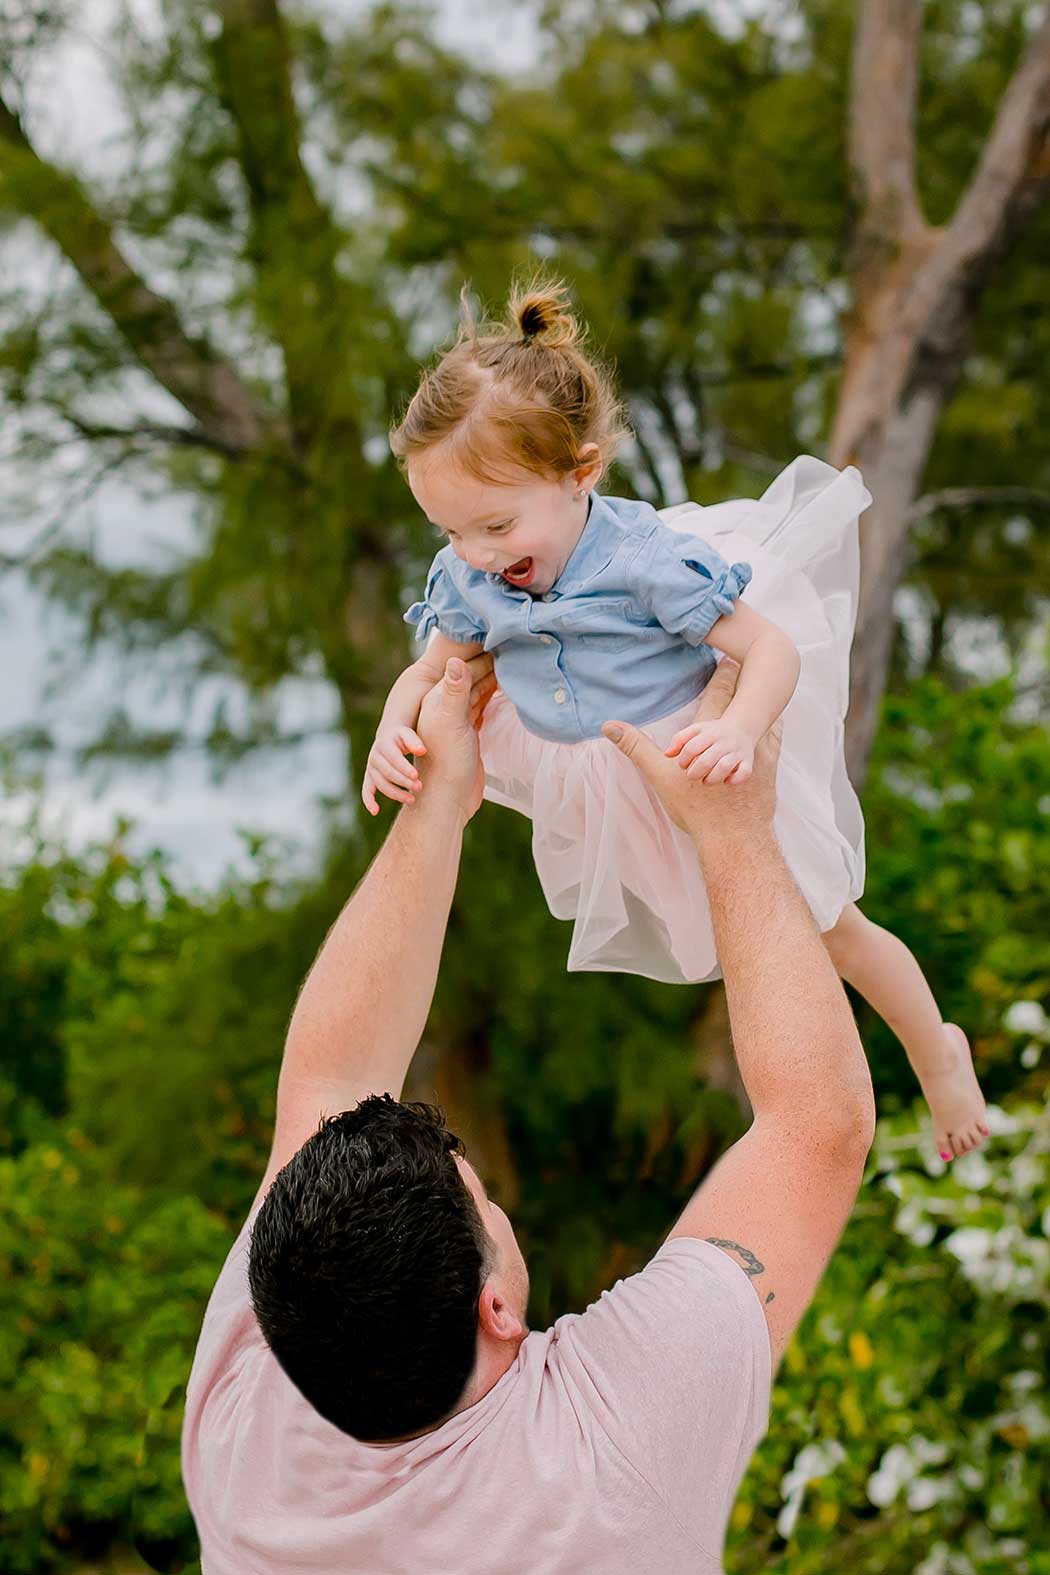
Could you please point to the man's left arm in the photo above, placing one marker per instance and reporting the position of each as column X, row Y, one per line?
column 365, row 1002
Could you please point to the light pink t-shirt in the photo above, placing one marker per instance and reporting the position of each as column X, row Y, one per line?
column 615, row 1443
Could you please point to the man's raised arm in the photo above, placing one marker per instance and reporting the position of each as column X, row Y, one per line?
column 365, row 1001
column 777, row 1201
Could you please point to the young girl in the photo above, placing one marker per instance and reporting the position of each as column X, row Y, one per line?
column 596, row 607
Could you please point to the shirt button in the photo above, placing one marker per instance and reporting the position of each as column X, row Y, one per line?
column 560, row 696
column 548, row 596
column 545, row 639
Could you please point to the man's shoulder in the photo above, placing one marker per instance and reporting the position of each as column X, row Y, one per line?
column 229, row 1325
column 688, row 1310
column 674, row 1365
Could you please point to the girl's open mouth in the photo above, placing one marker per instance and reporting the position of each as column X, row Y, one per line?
column 520, row 573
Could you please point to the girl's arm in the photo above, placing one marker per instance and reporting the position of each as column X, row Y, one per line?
column 769, row 668
column 723, row 750
column 388, row 768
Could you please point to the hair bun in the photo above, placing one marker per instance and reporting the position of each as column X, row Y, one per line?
column 541, row 313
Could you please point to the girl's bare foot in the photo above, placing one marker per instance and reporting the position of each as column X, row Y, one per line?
column 960, row 1118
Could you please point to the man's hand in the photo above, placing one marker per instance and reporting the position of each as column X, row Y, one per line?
column 699, row 808
column 449, row 719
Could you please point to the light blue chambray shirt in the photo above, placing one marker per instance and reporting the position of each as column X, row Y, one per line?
column 619, row 635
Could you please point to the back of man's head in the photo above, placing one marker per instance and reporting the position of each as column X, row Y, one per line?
column 365, row 1267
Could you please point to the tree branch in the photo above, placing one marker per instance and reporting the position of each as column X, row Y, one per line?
column 72, row 501
column 185, row 437
column 294, row 236
column 881, row 138
column 977, row 498
column 648, row 459
column 123, row 739
column 185, row 365
column 1013, row 172
column 253, row 64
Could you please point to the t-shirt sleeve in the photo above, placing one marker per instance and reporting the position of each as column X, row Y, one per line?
column 684, row 583
column 445, row 607
column 228, row 1334
column 674, row 1363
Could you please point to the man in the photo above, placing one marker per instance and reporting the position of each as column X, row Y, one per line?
column 366, row 1395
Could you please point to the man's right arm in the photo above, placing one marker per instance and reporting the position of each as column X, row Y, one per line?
column 778, row 1200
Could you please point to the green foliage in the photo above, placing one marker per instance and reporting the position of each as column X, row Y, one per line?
column 102, row 1287
column 689, row 183
column 34, row 972
column 167, row 1028
column 959, row 840
column 910, row 1427
column 162, row 1051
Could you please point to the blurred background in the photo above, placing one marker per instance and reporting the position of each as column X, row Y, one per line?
column 229, row 232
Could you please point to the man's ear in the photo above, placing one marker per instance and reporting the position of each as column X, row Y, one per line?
column 496, row 1316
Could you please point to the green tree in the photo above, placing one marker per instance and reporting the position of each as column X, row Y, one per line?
column 311, row 195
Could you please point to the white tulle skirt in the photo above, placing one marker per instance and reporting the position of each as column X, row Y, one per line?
column 607, row 854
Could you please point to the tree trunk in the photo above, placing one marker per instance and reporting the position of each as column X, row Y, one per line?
column 892, row 458
column 458, row 1078
column 916, row 291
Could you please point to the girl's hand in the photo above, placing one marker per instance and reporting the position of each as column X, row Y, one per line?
column 388, row 769
column 715, row 751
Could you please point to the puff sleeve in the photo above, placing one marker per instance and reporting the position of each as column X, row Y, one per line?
column 444, row 607
column 684, row 583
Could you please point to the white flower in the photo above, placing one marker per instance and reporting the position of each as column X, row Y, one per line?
column 900, row 1467
column 1027, row 1017
column 924, row 1492
column 973, row 1170
column 810, row 1464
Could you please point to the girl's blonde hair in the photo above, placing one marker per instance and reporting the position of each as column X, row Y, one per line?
column 517, row 395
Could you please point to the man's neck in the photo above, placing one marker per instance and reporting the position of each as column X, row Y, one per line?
column 495, row 1357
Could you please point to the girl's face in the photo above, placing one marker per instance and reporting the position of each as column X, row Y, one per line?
column 526, row 532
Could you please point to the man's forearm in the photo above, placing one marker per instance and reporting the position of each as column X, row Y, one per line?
column 794, row 1034
column 365, row 1002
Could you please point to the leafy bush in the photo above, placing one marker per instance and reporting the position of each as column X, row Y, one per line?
column 910, row 1427
column 102, row 1289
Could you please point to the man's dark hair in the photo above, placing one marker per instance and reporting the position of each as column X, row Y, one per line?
column 365, row 1265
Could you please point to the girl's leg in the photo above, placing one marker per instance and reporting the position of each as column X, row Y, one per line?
column 882, row 969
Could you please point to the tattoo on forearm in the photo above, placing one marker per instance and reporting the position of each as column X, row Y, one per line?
column 749, row 1263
